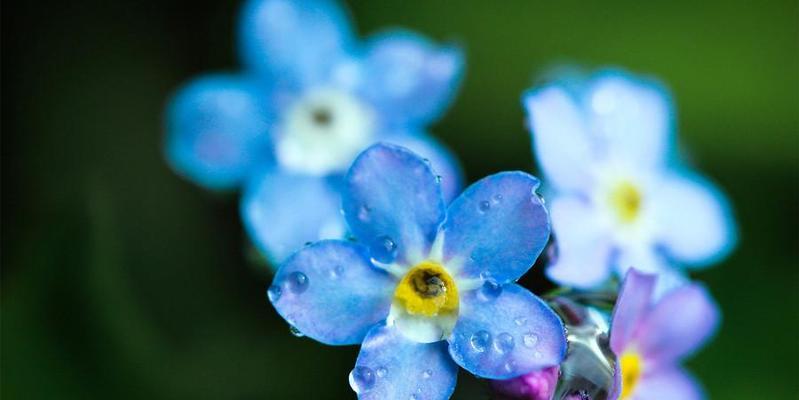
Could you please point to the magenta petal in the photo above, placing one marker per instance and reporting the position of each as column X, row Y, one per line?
column 537, row 385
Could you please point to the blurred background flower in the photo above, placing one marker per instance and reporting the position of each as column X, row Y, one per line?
column 309, row 99
column 121, row 279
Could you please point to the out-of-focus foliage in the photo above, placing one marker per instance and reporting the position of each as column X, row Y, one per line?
column 121, row 280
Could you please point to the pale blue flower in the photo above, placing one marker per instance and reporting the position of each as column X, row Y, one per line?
column 619, row 196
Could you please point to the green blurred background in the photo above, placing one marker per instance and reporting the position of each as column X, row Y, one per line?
column 121, row 280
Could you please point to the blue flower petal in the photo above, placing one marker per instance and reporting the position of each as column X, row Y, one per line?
column 505, row 333
column 496, row 228
column 390, row 367
column 330, row 292
column 298, row 41
column 282, row 211
column 584, row 244
column 444, row 163
column 217, row 130
column 630, row 117
column 410, row 79
column 561, row 141
column 694, row 221
column 392, row 203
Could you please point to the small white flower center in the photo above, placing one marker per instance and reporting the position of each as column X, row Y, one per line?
column 324, row 131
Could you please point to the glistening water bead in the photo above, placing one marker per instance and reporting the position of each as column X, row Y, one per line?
column 297, row 282
column 273, row 293
column 480, row 340
column 361, row 379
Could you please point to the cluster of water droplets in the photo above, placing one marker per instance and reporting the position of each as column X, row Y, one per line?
column 295, row 283
column 485, row 205
column 362, row 379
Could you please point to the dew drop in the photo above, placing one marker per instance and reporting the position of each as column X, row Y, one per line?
column 361, row 379
column 537, row 354
column 530, row 340
column 336, row 271
column 504, row 343
column 497, row 198
column 384, row 249
column 381, row 372
column 295, row 331
column 427, row 373
column 485, row 206
column 480, row 341
column 508, row 367
column 273, row 293
column 438, row 178
column 298, row 282
column 490, row 290
column 520, row 321
column 364, row 212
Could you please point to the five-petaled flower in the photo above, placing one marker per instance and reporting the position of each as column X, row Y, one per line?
column 425, row 287
column 619, row 197
column 310, row 99
column 651, row 337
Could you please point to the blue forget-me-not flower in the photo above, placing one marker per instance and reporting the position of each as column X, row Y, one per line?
column 619, row 197
column 308, row 101
column 650, row 337
column 425, row 287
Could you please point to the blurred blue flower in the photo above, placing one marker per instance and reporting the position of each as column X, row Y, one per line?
column 426, row 287
column 309, row 100
column 650, row 338
column 619, row 197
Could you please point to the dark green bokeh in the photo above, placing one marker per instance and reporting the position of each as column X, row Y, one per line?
column 121, row 280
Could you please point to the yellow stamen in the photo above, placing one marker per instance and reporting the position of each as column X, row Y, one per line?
column 427, row 289
column 631, row 370
column 626, row 199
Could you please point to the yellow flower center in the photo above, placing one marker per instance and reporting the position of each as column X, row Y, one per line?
column 428, row 290
column 626, row 199
column 631, row 370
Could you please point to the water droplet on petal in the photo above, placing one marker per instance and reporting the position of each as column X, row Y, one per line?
column 508, row 367
column 490, row 290
column 485, row 206
column 427, row 373
column 438, row 178
column 297, row 282
column 364, row 213
column 336, row 271
column 520, row 321
column 361, row 379
column 295, row 331
column 273, row 293
column 504, row 343
column 480, row 340
column 497, row 198
column 381, row 372
column 537, row 354
column 384, row 249
column 530, row 339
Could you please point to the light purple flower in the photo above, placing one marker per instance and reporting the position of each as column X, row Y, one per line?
column 650, row 339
